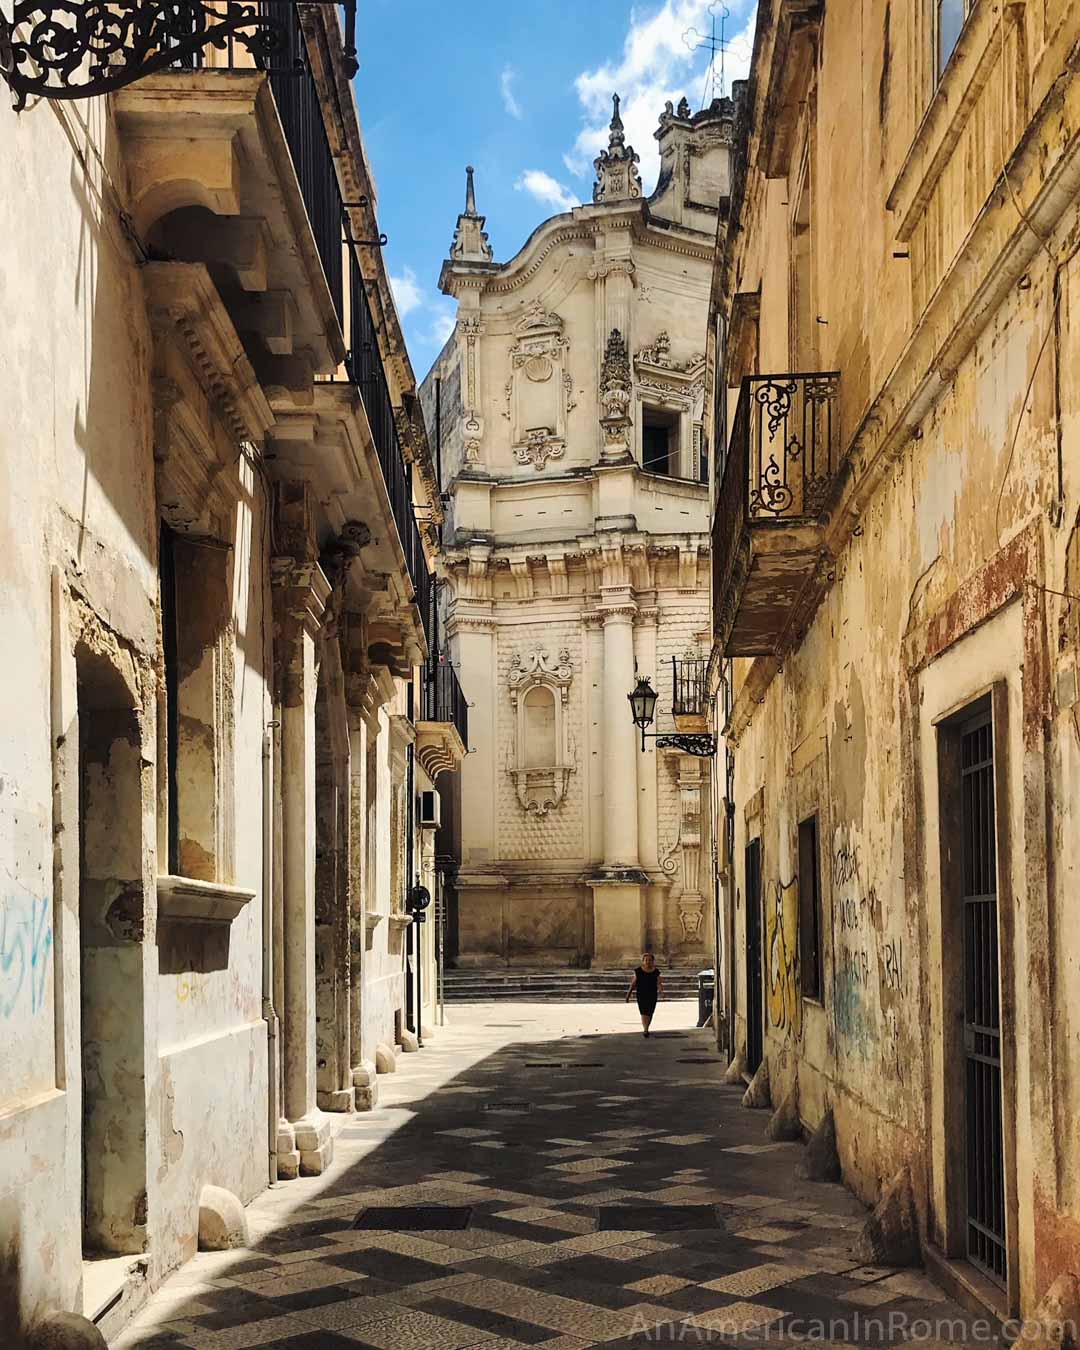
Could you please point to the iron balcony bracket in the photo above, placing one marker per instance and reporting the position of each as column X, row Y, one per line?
column 382, row 240
column 76, row 49
column 702, row 745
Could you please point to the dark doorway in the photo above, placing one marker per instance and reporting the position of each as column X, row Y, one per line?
column 984, row 1136
column 112, row 890
column 755, row 1030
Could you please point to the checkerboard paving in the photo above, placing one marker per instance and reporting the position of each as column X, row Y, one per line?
column 536, row 1265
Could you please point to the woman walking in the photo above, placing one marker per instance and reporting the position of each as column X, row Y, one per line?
column 648, row 985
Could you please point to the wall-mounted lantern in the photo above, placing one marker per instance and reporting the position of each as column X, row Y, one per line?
column 688, row 709
column 75, row 49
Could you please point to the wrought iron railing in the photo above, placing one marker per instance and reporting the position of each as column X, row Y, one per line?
column 689, row 691
column 283, row 54
column 442, row 699
column 299, row 106
column 780, row 466
column 73, row 49
column 366, row 370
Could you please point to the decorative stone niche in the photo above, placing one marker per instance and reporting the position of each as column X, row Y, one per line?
column 539, row 392
column 542, row 754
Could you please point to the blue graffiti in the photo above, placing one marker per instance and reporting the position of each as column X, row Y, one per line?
column 26, row 940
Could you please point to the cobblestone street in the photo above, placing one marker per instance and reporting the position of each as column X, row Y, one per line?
column 586, row 1187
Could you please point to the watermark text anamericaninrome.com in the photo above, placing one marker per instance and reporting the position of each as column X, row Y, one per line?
column 892, row 1329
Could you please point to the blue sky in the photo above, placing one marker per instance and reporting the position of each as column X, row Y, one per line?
column 523, row 92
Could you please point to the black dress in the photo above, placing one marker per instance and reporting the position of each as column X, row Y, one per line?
column 648, row 985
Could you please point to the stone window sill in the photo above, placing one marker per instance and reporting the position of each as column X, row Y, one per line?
column 186, row 900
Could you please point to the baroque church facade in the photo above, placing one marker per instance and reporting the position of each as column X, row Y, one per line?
column 566, row 409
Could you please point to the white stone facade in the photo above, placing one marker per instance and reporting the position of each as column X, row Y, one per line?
column 568, row 407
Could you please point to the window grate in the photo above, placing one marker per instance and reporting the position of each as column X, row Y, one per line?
column 986, row 1240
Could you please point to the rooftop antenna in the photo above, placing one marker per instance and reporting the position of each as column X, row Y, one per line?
column 716, row 45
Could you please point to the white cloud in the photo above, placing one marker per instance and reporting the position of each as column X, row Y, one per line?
column 442, row 327
column 407, row 293
column 658, row 64
column 546, row 189
column 506, row 88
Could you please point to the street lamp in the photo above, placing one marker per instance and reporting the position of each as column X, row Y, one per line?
column 688, row 710
column 643, row 705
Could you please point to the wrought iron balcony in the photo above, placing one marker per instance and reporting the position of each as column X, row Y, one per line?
column 777, row 481
column 366, row 371
column 442, row 731
column 74, row 49
column 442, row 699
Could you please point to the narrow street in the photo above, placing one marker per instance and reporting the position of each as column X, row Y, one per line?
column 602, row 1189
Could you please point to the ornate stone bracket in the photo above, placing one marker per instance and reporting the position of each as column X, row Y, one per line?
column 439, row 747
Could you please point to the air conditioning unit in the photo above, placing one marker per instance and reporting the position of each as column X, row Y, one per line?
column 430, row 817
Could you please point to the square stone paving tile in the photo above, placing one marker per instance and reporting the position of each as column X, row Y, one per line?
column 757, row 1279
column 659, row 1284
column 734, row 1318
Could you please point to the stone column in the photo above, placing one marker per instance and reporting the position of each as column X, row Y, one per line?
column 333, row 956
column 300, row 593
column 645, row 655
column 620, row 748
column 362, row 705
column 618, row 925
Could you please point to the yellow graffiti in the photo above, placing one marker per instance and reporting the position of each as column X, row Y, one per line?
column 782, row 937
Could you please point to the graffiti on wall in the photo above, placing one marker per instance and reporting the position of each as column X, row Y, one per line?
column 855, row 905
column 26, row 939
column 869, row 976
column 782, row 947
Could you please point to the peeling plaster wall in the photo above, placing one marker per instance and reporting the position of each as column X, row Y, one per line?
column 164, row 1028
column 960, row 582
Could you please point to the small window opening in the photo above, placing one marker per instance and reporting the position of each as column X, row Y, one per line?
column 950, row 18
column 659, row 441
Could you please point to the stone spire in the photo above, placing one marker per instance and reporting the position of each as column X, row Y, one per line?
column 617, row 174
column 470, row 239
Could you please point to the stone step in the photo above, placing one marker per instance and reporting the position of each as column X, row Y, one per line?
column 555, row 985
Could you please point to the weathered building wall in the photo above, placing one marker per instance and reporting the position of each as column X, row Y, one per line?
column 947, row 548
column 201, row 650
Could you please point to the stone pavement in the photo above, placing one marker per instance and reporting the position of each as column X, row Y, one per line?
column 615, row 1193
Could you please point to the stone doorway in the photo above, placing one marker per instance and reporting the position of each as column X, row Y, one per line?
column 112, row 906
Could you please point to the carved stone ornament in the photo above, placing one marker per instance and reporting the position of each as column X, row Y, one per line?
column 687, row 845
column 541, row 787
column 539, row 392
column 616, row 387
column 617, row 176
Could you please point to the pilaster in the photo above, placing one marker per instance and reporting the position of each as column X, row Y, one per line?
column 300, row 592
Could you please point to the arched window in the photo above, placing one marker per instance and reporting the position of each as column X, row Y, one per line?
column 539, row 728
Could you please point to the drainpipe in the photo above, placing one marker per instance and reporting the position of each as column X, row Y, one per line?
column 268, row 1011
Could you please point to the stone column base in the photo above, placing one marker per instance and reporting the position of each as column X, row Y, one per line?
column 365, row 1085
column 618, row 916
column 341, row 1100
column 288, row 1155
column 315, row 1141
